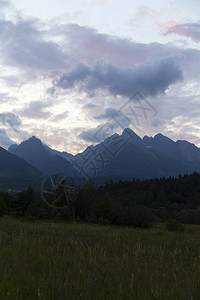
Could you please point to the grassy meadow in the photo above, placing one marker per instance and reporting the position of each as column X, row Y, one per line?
column 60, row 261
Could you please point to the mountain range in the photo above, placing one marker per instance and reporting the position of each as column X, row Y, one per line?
column 127, row 156
column 118, row 157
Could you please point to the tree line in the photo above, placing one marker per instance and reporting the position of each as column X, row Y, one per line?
column 137, row 203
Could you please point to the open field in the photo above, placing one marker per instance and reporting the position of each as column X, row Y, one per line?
column 58, row 261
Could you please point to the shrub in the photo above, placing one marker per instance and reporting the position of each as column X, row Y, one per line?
column 175, row 226
column 137, row 216
column 2, row 207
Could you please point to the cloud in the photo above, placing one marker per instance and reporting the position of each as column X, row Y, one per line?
column 109, row 113
column 99, row 133
column 89, row 105
column 99, row 2
column 34, row 49
column 157, row 122
column 34, row 110
column 150, row 78
column 86, row 48
column 4, row 97
column 90, row 134
column 5, row 141
column 87, row 44
column 19, row 79
column 116, row 121
column 10, row 119
column 4, row 3
column 167, row 24
column 115, row 117
column 79, row 74
column 191, row 30
column 23, row 45
column 145, row 12
column 89, row 61
column 59, row 117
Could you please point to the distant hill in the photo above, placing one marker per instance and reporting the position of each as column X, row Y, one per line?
column 42, row 157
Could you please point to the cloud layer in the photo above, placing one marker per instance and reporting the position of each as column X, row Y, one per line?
column 10, row 119
column 90, row 74
column 23, row 45
column 5, row 141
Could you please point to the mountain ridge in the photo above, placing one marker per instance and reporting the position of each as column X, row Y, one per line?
column 125, row 156
column 40, row 156
column 14, row 166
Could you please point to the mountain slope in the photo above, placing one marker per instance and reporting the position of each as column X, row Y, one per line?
column 35, row 153
column 13, row 166
column 63, row 154
column 181, row 150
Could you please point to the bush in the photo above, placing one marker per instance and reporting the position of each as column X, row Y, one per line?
column 137, row 216
column 2, row 207
column 175, row 226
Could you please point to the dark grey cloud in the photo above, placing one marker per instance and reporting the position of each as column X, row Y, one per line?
column 191, row 30
column 10, row 119
column 109, row 113
column 115, row 117
column 101, row 132
column 79, row 74
column 115, row 121
column 150, row 78
column 5, row 141
column 90, row 134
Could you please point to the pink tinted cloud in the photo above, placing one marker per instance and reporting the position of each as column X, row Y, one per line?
column 91, row 46
column 191, row 30
column 167, row 24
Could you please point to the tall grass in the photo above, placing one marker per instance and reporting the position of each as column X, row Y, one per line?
column 57, row 261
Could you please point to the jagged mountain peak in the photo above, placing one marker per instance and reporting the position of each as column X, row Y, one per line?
column 184, row 142
column 40, row 156
column 160, row 136
column 33, row 140
column 132, row 134
column 129, row 131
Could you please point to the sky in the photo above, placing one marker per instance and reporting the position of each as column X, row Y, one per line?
column 74, row 72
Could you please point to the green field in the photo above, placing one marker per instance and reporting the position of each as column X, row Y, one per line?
column 45, row 260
